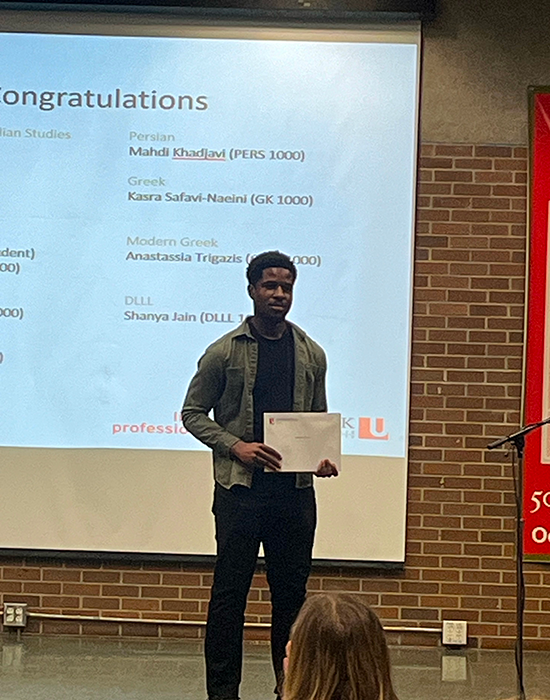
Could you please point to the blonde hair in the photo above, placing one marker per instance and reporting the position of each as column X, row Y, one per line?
column 338, row 652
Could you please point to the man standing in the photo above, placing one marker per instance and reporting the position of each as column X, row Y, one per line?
column 265, row 365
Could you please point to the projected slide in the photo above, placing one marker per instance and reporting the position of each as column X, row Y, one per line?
column 140, row 175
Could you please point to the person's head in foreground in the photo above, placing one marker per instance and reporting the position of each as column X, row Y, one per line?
column 337, row 652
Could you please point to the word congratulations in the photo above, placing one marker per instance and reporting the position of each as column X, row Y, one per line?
column 49, row 99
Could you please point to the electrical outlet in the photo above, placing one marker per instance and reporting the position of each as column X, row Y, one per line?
column 15, row 614
column 455, row 633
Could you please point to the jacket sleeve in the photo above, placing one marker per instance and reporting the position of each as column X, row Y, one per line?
column 319, row 402
column 203, row 394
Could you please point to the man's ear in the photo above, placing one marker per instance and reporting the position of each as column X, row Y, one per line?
column 250, row 290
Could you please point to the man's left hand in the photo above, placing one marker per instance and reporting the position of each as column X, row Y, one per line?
column 326, row 468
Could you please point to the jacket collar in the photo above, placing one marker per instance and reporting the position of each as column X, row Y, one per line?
column 243, row 329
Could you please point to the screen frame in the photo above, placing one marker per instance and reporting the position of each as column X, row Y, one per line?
column 140, row 25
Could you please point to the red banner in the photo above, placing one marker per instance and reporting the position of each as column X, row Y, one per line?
column 536, row 503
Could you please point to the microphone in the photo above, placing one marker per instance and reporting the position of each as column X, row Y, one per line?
column 498, row 443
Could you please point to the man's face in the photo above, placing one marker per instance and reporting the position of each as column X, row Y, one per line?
column 272, row 294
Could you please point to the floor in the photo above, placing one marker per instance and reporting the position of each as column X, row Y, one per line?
column 63, row 668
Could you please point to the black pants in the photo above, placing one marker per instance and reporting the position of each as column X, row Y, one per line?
column 281, row 517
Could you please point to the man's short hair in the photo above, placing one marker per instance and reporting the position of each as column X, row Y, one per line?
column 271, row 258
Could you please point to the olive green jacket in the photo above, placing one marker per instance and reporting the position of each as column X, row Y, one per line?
column 224, row 381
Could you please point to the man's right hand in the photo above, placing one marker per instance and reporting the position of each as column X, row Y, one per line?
column 256, row 455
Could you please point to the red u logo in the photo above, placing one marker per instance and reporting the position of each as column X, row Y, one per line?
column 369, row 432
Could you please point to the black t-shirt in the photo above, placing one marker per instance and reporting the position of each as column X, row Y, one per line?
column 274, row 386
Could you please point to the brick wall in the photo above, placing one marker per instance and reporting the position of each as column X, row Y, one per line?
column 466, row 390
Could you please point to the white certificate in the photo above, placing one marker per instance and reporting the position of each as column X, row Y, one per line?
column 304, row 439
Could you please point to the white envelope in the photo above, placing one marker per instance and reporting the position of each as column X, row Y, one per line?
column 304, row 439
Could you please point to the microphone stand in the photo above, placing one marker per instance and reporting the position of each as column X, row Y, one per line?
column 518, row 441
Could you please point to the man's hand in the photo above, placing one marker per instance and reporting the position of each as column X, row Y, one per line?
column 257, row 455
column 326, row 468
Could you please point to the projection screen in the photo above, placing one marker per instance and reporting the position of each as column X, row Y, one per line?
column 144, row 162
